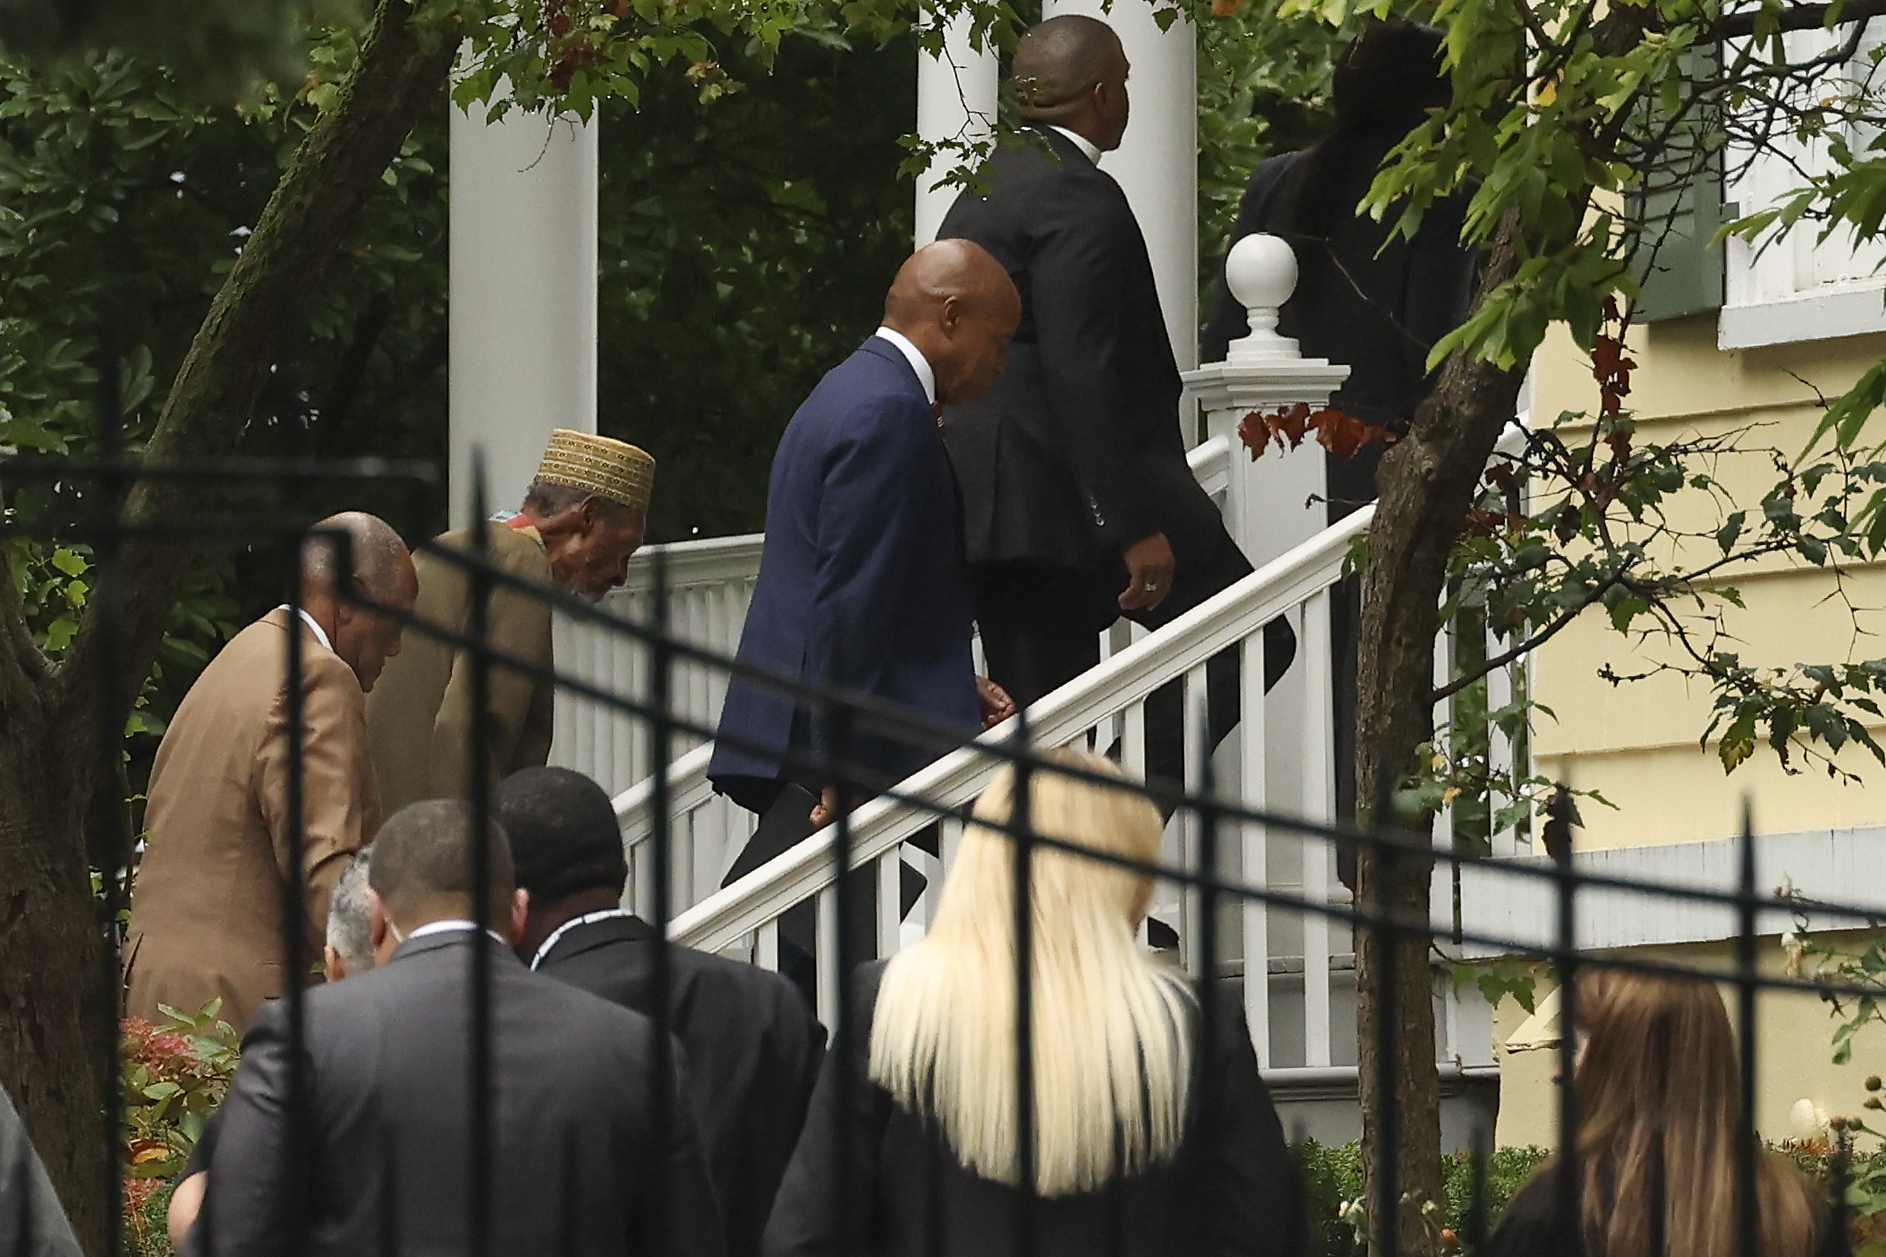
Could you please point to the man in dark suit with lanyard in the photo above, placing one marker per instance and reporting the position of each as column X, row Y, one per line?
column 753, row 1047
column 1078, row 503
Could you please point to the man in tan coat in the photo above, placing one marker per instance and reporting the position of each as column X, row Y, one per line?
column 582, row 519
column 207, row 909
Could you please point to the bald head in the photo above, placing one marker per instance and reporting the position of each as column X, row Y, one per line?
column 1071, row 71
column 960, row 269
column 349, row 560
column 364, row 546
column 956, row 304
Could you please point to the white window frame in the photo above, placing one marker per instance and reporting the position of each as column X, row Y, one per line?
column 1792, row 287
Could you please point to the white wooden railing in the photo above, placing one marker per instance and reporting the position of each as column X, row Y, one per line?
column 1281, row 759
column 1293, row 949
column 709, row 586
column 1301, row 1014
column 709, row 582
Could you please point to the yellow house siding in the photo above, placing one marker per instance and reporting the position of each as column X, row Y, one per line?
column 1794, row 1057
column 1636, row 743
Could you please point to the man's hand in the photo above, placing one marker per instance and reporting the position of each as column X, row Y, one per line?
column 997, row 706
column 1149, row 567
column 825, row 811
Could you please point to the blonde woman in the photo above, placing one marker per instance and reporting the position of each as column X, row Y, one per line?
column 1127, row 1160
column 1659, row 1114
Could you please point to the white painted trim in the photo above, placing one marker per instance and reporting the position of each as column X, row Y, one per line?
column 1846, row 310
column 1830, row 865
column 706, row 562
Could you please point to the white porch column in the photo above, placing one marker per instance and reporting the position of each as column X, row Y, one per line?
column 523, row 295
column 956, row 97
column 1157, row 163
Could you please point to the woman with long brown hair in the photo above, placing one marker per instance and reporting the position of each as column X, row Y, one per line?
column 1147, row 1139
column 1659, row 1132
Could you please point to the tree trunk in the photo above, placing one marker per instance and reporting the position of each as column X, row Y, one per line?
column 57, row 1014
column 59, row 726
column 1426, row 486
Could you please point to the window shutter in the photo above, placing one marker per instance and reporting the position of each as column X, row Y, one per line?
column 1681, row 207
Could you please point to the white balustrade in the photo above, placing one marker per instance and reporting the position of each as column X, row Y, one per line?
column 709, row 586
column 744, row 915
column 1298, row 965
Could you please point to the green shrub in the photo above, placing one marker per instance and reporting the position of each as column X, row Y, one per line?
column 172, row 1077
column 146, row 1210
column 1332, row 1192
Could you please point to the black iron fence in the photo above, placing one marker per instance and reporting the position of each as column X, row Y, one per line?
column 94, row 492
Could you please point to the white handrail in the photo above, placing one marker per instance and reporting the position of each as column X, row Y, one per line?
column 687, row 788
column 721, row 559
column 1127, row 678
column 711, row 559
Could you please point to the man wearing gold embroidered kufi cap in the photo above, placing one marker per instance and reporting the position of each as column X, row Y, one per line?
column 581, row 520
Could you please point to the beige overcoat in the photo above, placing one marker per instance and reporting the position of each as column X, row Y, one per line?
column 419, row 714
column 206, row 911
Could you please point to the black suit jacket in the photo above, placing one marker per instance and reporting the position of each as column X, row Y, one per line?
column 1076, row 452
column 753, row 1053
column 1232, row 1190
column 578, row 1165
column 1366, row 297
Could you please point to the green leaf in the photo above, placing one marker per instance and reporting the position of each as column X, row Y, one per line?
column 69, row 561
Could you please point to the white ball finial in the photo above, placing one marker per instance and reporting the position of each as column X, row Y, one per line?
column 1261, row 272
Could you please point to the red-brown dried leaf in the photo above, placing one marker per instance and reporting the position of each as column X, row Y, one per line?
column 1345, row 436
column 1255, row 431
column 1293, row 422
column 1336, row 431
column 1481, row 523
column 1612, row 370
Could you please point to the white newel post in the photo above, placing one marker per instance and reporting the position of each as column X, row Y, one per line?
column 1275, row 502
column 523, row 294
column 1157, row 163
column 1286, row 752
column 956, row 100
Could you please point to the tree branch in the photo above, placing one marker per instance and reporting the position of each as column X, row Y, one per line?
column 1804, row 17
column 401, row 70
column 1532, row 643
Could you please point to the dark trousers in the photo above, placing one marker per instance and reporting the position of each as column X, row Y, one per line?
column 1041, row 624
column 785, row 810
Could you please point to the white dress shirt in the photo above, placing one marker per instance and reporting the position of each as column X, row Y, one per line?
column 320, row 634
column 1087, row 147
column 450, row 925
column 918, row 363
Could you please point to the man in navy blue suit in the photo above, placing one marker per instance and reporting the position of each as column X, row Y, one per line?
column 862, row 583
